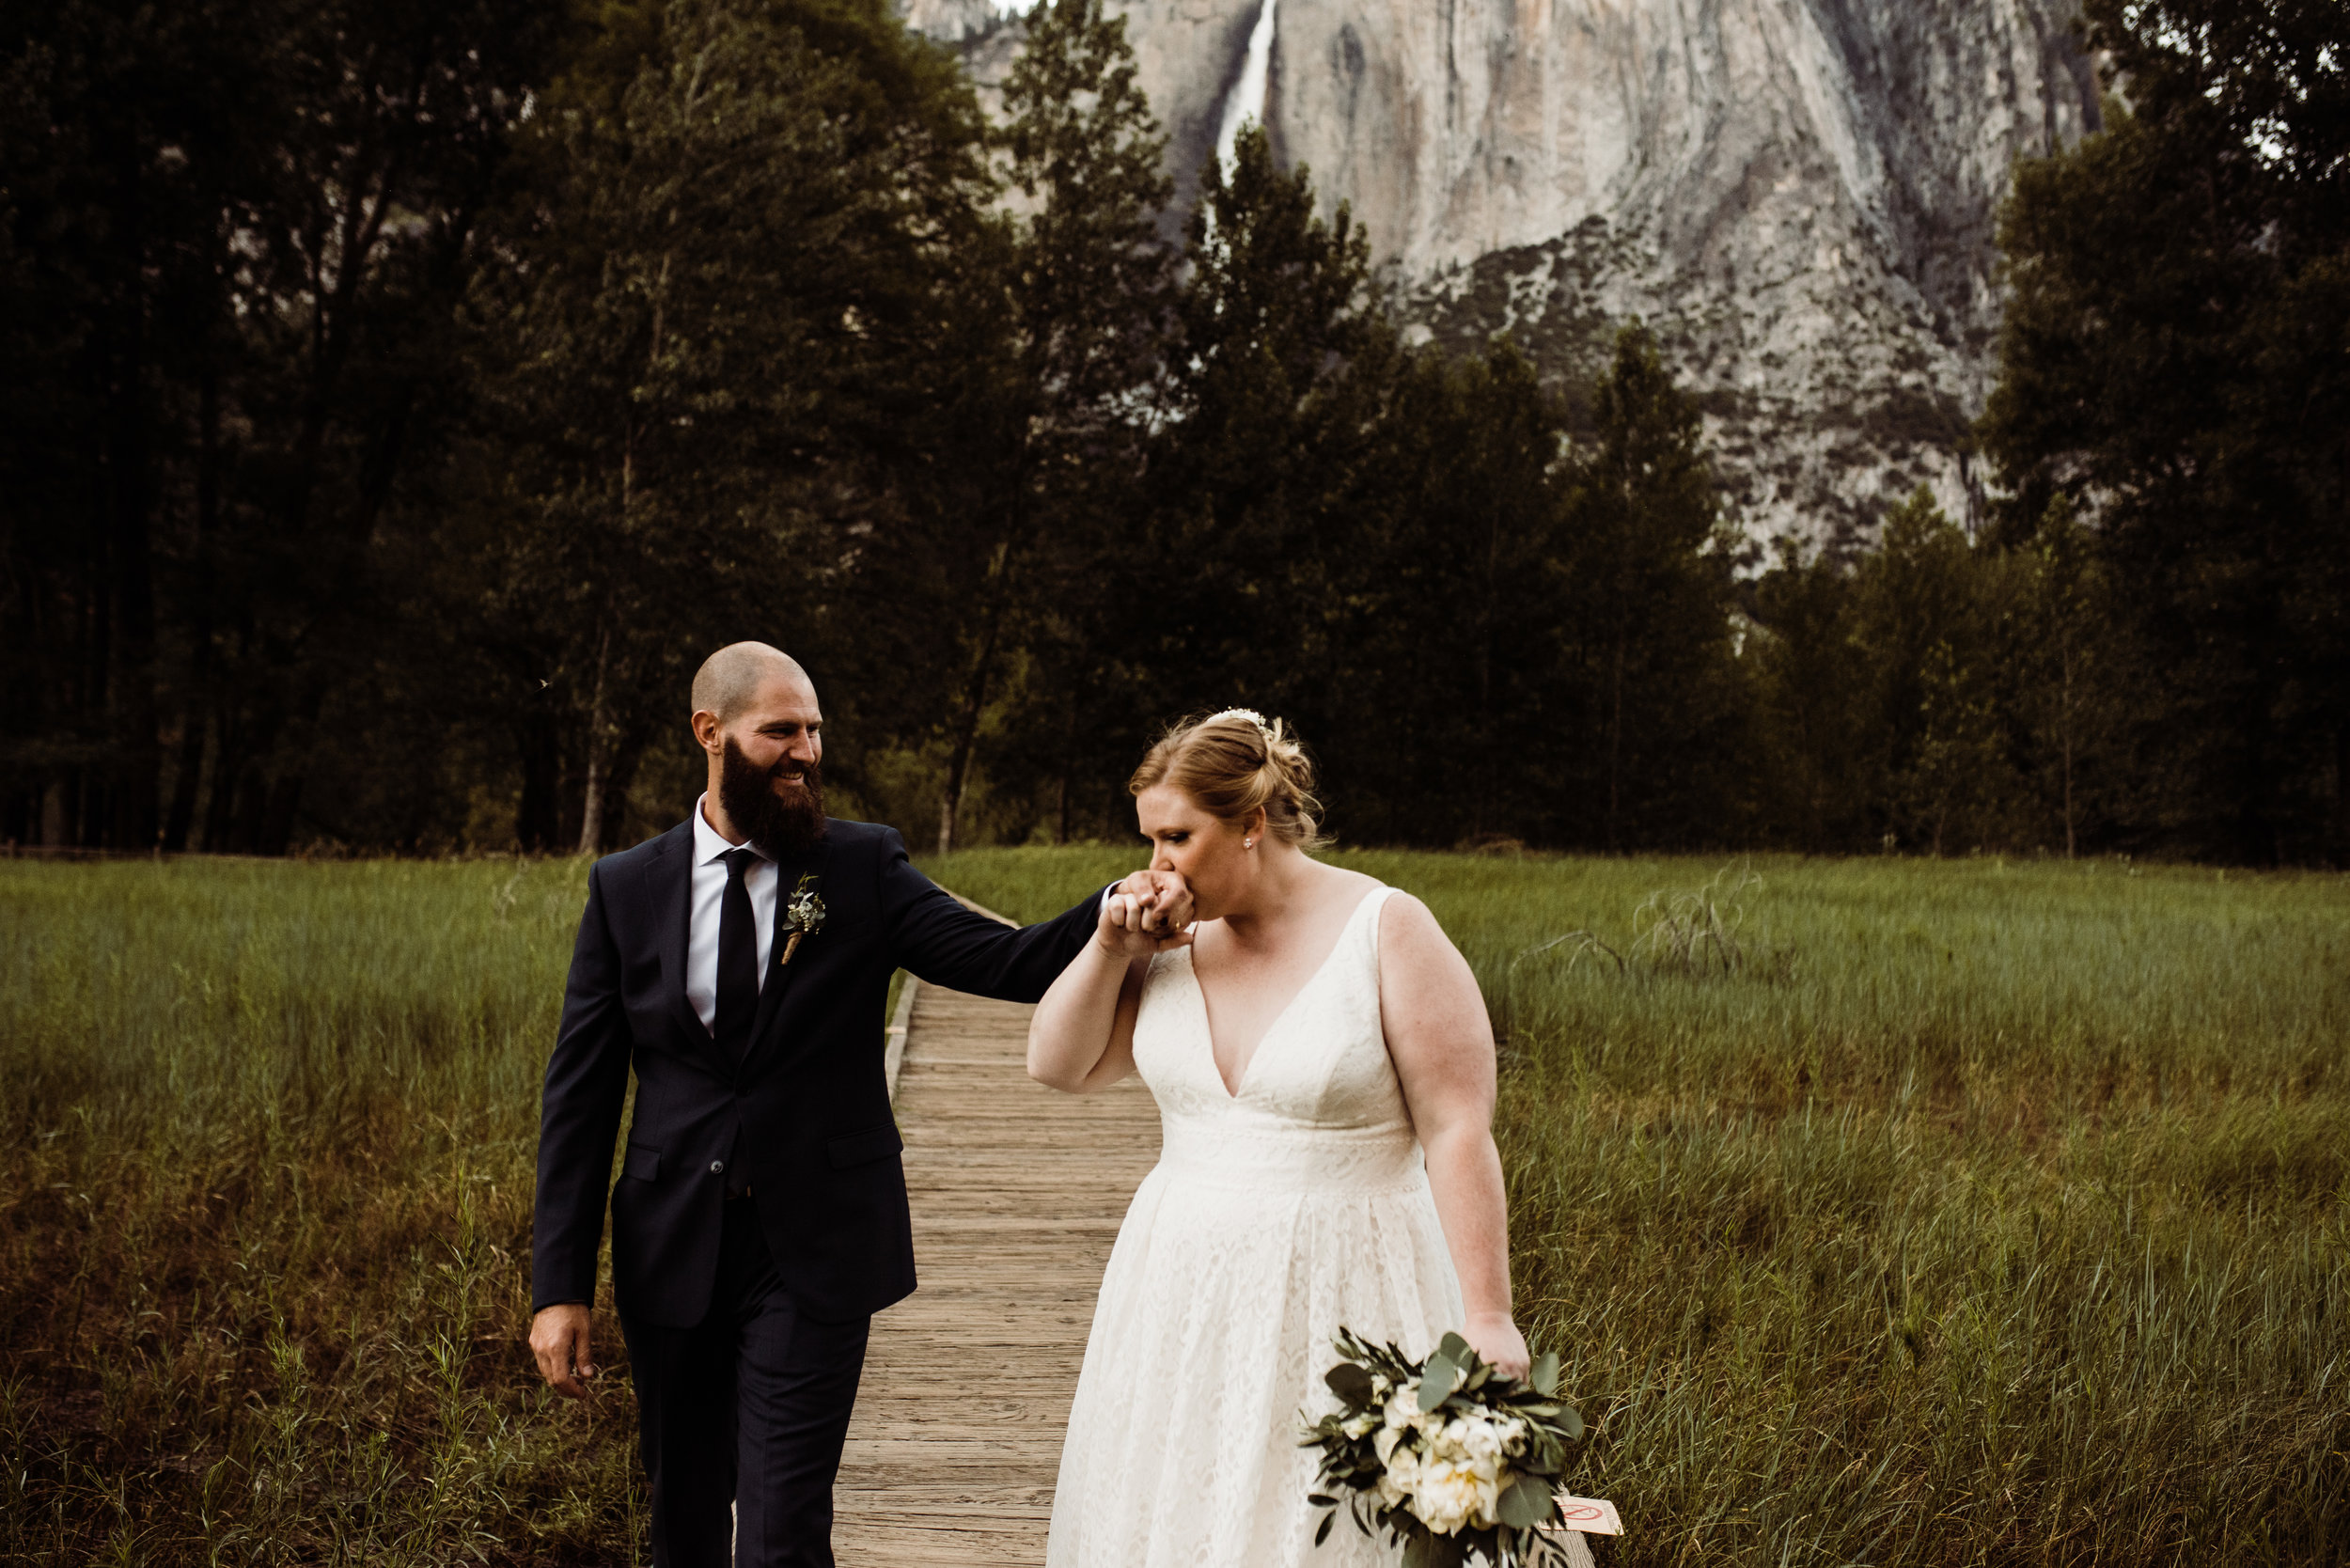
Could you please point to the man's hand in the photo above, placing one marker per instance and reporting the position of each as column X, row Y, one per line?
column 558, row 1341
column 1164, row 898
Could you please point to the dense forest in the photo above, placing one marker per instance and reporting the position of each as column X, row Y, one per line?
column 402, row 396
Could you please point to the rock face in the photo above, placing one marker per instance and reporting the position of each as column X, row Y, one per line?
column 1798, row 196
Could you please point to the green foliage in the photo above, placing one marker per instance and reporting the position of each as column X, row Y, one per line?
column 1452, row 1381
column 728, row 266
column 1454, row 629
column 1652, row 590
column 1395, row 549
column 1001, row 592
column 237, row 234
column 1276, row 376
column 2010, row 1215
column 2003, row 1216
column 1939, row 694
column 1079, row 141
column 395, row 439
column 1933, row 622
column 264, row 1217
column 2172, row 366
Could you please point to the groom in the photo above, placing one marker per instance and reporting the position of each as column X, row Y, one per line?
column 739, row 962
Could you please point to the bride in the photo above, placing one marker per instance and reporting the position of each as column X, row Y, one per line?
column 1324, row 1074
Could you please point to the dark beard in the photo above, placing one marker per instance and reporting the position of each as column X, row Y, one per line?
column 783, row 825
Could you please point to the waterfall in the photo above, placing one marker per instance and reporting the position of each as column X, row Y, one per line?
column 1248, row 99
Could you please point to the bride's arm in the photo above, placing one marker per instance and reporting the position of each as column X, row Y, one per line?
column 1443, row 1048
column 1082, row 1035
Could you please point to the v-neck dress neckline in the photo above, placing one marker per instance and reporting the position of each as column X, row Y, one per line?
column 1207, row 1021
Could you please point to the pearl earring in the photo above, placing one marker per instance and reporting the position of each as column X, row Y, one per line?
column 1248, row 843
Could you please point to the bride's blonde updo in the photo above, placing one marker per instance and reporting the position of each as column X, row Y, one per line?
column 1232, row 763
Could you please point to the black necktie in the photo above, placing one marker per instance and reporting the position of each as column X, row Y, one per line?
column 738, row 959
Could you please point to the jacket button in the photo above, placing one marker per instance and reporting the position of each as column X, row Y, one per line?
column 717, row 1167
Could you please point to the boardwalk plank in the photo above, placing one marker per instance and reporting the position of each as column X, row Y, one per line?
column 1017, row 1193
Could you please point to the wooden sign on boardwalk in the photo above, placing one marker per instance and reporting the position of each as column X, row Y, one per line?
column 1017, row 1193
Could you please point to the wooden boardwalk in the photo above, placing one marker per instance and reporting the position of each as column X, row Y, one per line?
column 1017, row 1194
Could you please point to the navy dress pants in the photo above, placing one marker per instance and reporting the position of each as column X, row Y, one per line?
column 748, row 1407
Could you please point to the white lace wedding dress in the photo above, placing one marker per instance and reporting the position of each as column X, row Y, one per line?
column 1274, row 1216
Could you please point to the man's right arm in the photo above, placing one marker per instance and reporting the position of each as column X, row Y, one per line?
column 579, row 1120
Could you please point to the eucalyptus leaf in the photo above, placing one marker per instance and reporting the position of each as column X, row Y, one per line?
column 1454, row 1349
column 1525, row 1504
column 1437, row 1383
column 1572, row 1421
column 1428, row 1550
column 1351, row 1382
column 1546, row 1373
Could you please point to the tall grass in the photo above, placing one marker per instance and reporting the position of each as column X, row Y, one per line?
column 1977, row 1213
column 264, row 1214
column 1981, row 1213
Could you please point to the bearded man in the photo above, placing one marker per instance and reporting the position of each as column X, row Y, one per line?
column 739, row 962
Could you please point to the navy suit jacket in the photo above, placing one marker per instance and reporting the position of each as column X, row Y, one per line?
column 805, row 1112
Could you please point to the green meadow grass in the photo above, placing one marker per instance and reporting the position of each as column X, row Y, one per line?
column 264, row 1219
column 1979, row 1213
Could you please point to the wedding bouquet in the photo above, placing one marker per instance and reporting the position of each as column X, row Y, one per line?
column 1445, row 1455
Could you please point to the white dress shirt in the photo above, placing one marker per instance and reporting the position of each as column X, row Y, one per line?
column 702, row 914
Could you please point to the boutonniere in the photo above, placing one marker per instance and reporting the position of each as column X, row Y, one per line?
column 803, row 917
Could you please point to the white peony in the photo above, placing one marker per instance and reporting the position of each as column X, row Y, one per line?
column 1401, row 1476
column 1359, row 1423
column 1403, row 1409
column 1448, row 1495
column 1389, row 1436
column 1448, row 1470
column 1480, row 1436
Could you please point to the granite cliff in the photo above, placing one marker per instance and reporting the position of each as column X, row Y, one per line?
column 1798, row 196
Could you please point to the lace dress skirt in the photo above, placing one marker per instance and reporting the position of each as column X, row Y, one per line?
column 1242, row 1254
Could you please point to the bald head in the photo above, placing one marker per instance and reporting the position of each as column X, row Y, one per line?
column 756, row 718
column 731, row 678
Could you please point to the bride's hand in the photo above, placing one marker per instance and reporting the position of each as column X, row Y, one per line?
column 1496, row 1338
column 1162, row 911
column 1133, row 926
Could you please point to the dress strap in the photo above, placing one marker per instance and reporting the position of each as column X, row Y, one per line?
column 1367, row 916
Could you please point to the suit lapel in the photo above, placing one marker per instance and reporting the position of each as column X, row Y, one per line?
column 788, row 874
column 671, row 875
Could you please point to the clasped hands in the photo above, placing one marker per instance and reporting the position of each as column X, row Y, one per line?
column 1148, row 911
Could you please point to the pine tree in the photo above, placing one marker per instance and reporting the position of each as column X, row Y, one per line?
column 1273, row 400
column 733, row 258
column 2172, row 366
column 1935, row 634
column 1651, row 618
column 1062, row 375
column 1449, row 628
column 1821, row 747
column 240, row 232
column 2070, row 702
